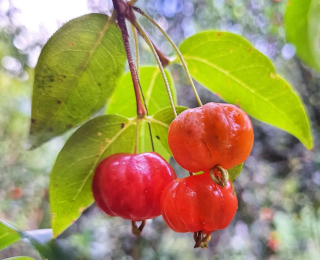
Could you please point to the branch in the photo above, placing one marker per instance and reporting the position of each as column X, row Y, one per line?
column 125, row 11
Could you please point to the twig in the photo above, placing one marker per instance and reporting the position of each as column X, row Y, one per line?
column 125, row 11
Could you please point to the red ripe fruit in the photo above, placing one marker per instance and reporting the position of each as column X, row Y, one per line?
column 214, row 134
column 130, row 185
column 197, row 204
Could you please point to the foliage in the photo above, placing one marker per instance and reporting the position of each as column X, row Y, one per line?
column 8, row 235
column 76, row 72
column 303, row 29
column 122, row 102
column 40, row 239
column 71, row 177
column 235, row 171
column 20, row 258
column 245, row 77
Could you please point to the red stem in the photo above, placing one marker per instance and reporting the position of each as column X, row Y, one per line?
column 124, row 10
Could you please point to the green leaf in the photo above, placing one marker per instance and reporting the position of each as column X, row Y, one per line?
column 71, row 177
column 160, row 123
column 302, row 24
column 229, row 66
column 145, row 141
column 40, row 239
column 8, row 235
column 123, row 101
column 76, row 73
column 20, row 258
column 234, row 172
column 49, row 249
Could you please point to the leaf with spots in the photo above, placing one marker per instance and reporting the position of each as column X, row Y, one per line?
column 76, row 73
column 123, row 102
column 71, row 177
column 302, row 24
column 229, row 66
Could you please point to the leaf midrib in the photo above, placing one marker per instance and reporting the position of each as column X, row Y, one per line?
column 6, row 234
column 156, row 121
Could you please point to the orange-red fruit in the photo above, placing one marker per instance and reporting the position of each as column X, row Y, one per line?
column 196, row 203
column 130, row 185
column 214, row 134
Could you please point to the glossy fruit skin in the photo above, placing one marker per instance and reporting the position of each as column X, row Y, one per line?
column 130, row 185
column 214, row 134
column 196, row 203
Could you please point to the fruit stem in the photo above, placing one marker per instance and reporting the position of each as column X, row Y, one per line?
column 137, row 230
column 156, row 56
column 221, row 181
column 197, row 239
column 123, row 12
column 136, row 44
column 184, row 65
column 136, row 148
column 201, row 239
column 113, row 16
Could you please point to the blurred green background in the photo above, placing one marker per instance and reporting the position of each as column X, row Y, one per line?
column 278, row 190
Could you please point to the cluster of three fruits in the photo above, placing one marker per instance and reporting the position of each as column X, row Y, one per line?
column 142, row 186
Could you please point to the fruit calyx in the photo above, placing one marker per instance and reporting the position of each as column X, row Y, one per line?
column 136, row 230
column 219, row 175
column 201, row 239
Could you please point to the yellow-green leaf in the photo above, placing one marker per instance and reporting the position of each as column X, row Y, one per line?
column 20, row 258
column 302, row 24
column 8, row 235
column 234, row 172
column 123, row 102
column 76, row 73
column 160, row 123
column 71, row 177
column 231, row 67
